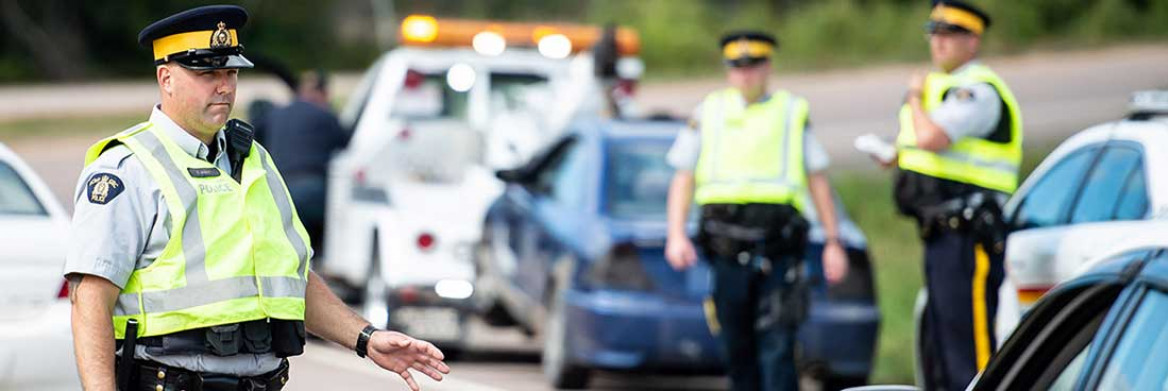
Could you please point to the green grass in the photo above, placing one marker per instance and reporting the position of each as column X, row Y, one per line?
column 66, row 126
column 897, row 260
column 896, row 257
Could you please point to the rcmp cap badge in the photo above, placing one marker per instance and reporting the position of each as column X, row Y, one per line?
column 220, row 38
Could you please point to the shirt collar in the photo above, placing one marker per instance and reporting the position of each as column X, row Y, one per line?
column 964, row 67
column 742, row 100
column 185, row 141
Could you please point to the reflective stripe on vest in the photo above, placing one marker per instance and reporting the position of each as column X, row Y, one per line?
column 237, row 252
column 973, row 160
column 752, row 153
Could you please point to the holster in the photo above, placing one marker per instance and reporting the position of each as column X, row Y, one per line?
column 977, row 214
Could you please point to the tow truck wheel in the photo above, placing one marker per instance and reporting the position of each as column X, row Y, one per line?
column 557, row 369
column 374, row 303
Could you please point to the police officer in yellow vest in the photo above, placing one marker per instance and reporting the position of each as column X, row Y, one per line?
column 959, row 148
column 748, row 161
column 188, row 264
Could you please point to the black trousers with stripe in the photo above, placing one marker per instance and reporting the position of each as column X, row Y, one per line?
column 962, row 280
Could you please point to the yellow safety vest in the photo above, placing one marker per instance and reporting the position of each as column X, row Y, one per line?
column 972, row 160
column 237, row 252
column 752, row 153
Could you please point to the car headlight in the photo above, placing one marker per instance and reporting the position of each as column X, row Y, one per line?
column 621, row 268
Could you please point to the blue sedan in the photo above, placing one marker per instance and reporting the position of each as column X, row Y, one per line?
column 574, row 251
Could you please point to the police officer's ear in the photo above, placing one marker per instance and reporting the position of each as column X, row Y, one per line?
column 165, row 78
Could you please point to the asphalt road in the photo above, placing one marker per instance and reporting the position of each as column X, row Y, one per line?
column 503, row 359
column 1060, row 94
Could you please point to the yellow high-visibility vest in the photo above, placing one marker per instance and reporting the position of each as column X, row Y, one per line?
column 751, row 153
column 237, row 251
column 972, row 160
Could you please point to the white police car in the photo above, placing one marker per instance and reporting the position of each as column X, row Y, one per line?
column 1097, row 189
column 432, row 121
column 36, row 341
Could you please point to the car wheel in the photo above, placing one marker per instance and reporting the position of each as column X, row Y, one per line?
column 557, row 369
column 374, row 303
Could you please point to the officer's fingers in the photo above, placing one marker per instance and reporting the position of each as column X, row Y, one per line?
column 405, row 374
column 429, row 349
column 428, row 371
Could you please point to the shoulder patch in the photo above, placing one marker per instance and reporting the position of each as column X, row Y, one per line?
column 963, row 94
column 103, row 187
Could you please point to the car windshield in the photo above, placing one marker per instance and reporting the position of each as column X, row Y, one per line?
column 518, row 91
column 637, row 179
column 1139, row 358
column 429, row 96
column 446, row 95
column 15, row 196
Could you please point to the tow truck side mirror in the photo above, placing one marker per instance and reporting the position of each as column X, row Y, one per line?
column 515, row 175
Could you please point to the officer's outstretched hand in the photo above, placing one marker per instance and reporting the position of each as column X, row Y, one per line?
column 680, row 253
column 835, row 262
column 399, row 353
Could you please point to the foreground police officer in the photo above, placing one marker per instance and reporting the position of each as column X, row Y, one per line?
column 959, row 146
column 187, row 255
column 747, row 158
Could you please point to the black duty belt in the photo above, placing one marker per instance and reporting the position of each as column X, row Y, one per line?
column 729, row 230
column 283, row 338
column 152, row 376
column 978, row 214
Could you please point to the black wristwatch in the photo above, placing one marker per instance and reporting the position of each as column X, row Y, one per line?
column 363, row 340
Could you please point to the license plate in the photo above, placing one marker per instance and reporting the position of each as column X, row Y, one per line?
column 432, row 324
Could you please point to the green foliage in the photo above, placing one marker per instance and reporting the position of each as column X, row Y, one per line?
column 679, row 36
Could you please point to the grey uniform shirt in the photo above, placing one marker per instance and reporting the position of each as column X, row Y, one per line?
column 130, row 229
column 688, row 146
column 968, row 110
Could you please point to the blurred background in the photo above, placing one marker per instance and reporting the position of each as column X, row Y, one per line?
column 63, row 40
column 71, row 73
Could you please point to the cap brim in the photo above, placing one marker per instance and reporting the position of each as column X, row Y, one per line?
column 934, row 27
column 232, row 61
column 745, row 61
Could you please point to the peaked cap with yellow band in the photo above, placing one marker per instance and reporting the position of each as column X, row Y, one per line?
column 958, row 17
column 746, row 48
column 199, row 38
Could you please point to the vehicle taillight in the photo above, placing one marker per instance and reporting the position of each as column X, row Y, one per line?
column 425, row 241
column 63, row 293
column 359, row 176
column 414, row 79
column 1029, row 295
column 626, row 87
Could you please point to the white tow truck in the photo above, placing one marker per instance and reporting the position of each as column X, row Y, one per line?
column 432, row 121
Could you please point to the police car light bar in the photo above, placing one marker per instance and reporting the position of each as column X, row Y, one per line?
column 1146, row 102
column 424, row 30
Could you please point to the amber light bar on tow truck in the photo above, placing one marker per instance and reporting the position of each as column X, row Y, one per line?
column 556, row 40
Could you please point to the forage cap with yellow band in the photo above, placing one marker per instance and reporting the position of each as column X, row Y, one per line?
column 957, row 17
column 746, row 48
column 199, row 38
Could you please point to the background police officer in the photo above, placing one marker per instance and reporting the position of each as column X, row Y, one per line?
column 201, row 276
column 747, row 159
column 960, row 146
column 302, row 137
